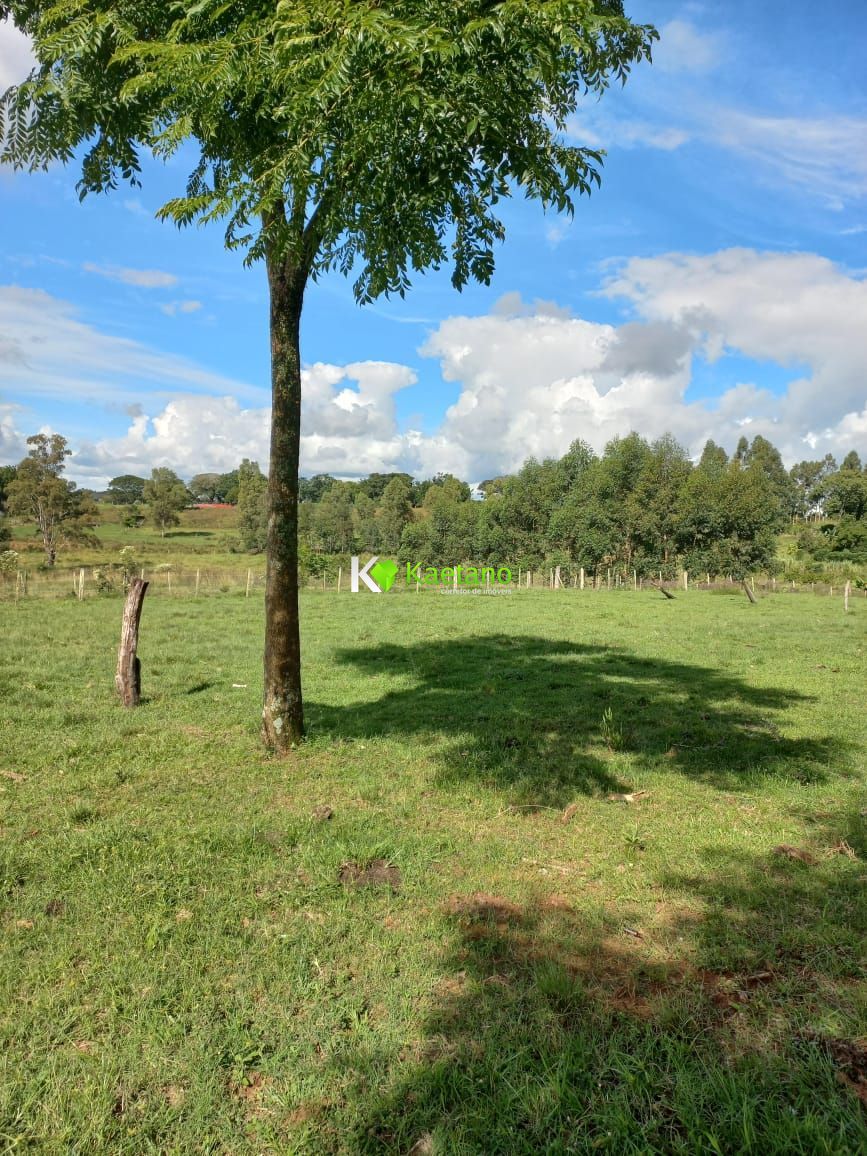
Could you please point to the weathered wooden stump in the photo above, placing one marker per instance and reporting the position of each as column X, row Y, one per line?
column 748, row 591
column 128, row 676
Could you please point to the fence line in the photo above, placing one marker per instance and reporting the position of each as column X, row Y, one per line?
column 82, row 583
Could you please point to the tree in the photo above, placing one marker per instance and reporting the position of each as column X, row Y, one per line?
column 252, row 506
column 7, row 476
column 395, row 512
column 713, row 458
column 313, row 489
column 846, row 491
column 852, row 461
column 332, row 519
column 372, row 136
column 808, row 478
column 766, row 457
column 206, row 487
column 227, row 490
column 62, row 513
column 166, row 495
column 727, row 520
column 125, row 490
column 374, row 484
column 366, row 529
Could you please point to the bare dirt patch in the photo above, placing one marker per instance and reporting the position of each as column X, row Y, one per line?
column 377, row 873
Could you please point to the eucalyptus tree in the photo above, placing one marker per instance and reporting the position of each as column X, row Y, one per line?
column 376, row 136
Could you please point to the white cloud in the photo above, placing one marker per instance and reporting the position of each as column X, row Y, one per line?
column 795, row 309
column 532, row 377
column 173, row 307
column 348, row 428
column 684, row 48
column 46, row 350
column 826, row 156
column 598, row 129
column 16, row 55
column 142, row 278
column 13, row 445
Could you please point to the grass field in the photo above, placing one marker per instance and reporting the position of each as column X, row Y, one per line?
column 478, row 951
column 200, row 539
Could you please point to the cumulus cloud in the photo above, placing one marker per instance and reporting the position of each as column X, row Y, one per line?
column 795, row 309
column 348, row 428
column 531, row 381
column 142, row 278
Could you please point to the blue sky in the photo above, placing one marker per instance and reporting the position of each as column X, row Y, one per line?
column 714, row 286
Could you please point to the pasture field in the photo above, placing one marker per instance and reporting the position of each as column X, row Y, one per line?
column 201, row 539
column 438, row 927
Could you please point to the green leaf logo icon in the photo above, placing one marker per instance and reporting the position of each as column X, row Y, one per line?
column 384, row 573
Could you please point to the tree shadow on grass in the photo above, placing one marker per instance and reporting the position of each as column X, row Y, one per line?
column 726, row 1027
column 547, row 719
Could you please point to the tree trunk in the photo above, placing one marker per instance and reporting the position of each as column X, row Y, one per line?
column 128, row 676
column 282, row 712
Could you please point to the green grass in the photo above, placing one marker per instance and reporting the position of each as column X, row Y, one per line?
column 183, row 970
column 200, row 540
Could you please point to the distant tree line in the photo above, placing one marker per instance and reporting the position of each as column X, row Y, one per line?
column 640, row 506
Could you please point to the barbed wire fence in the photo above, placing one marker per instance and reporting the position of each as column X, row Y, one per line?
column 179, row 581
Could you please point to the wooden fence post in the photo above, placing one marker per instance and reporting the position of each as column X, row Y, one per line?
column 846, row 589
column 198, row 580
column 339, row 577
column 127, row 680
column 581, row 578
column 249, row 580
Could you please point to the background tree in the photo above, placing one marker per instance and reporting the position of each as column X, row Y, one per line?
column 62, row 513
column 374, row 484
column 764, row 456
column 132, row 516
column 125, row 490
column 366, row 528
column 395, row 512
column 808, row 479
column 7, row 475
column 332, row 519
column 227, row 490
column 166, row 495
column 206, row 487
column 330, row 135
column 252, row 506
column 846, row 490
column 313, row 489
